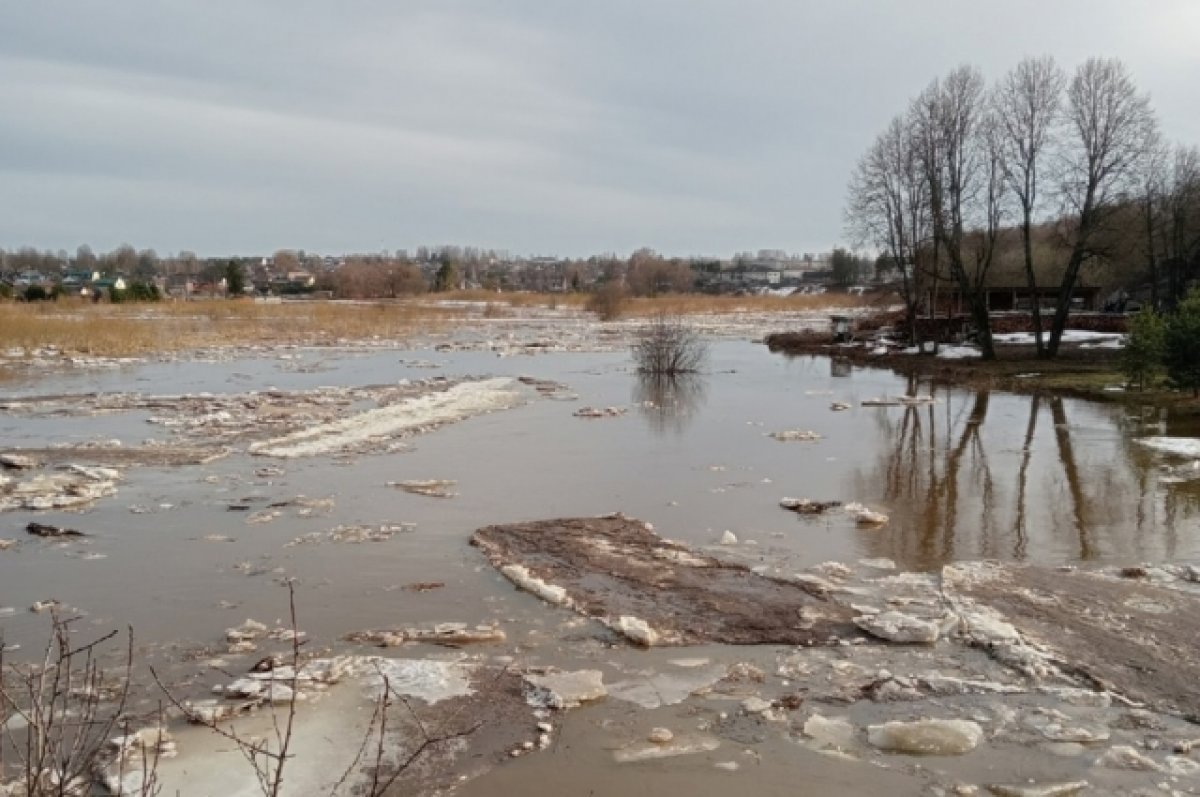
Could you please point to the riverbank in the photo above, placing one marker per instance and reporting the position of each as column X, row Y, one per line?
column 1080, row 371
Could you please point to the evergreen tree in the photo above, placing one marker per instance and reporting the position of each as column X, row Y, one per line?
column 235, row 279
column 1182, row 344
column 1142, row 357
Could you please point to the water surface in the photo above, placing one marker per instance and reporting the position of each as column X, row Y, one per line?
column 971, row 475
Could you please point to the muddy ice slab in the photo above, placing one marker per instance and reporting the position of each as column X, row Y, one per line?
column 113, row 454
column 657, row 592
column 1131, row 636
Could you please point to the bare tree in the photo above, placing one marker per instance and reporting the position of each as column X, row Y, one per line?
column 1111, row 123
column 1028, row 104
column 1152, row 191
column 960, row 161
column 287, row 260
column 69, row 710
column 122, row 260
column 1182, row 220
column 267, row 763
column 85, row 258
column 888, row 209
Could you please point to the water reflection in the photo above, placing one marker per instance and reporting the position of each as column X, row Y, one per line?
column 669, row 403
column 977, row 475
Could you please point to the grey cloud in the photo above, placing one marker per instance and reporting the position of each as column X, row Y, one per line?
column 691, row 126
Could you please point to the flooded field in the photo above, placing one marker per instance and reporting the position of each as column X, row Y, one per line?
column 362, row 474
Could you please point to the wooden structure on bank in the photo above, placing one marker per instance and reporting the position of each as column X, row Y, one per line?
column 946, row 301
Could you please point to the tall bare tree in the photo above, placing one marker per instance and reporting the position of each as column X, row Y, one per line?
column 1111, row 123
column 1182, row 220
column 960, row 161
column 1152, row 195
column 888, row 209
column 1027, row 104
column 287, row 260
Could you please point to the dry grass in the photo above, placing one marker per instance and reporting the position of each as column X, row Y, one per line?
column 127, row 330
column 138, row 329
column 676, row 304
column 696, row 304
column 515, row 298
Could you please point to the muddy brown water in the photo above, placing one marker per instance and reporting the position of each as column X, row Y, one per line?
column 972, row 475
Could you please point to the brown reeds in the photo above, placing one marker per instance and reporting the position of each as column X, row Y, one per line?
column 138, row 329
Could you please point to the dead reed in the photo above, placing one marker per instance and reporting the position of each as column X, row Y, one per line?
column 138, row 329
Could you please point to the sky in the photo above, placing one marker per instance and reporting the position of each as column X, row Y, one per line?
column 532, row 126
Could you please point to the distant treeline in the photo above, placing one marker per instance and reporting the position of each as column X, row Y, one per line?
column 395, row 274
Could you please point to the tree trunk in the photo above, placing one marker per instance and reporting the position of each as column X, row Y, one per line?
column 1031, row 281
column 1148, row 209
column 1062, row 308
column 983, row 326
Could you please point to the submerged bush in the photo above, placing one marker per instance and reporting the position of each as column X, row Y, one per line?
column 668, row 346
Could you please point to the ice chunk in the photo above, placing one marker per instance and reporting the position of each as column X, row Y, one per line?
column 926, row 736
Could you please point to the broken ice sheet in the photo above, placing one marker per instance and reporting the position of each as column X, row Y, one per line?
column 425, row 679
column 689, row 744
column 653, row 689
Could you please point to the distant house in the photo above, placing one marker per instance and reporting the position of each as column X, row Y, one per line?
column 179, row 285
column 289, row 282
column 77, row 282
column 29, row 278
column 109, row 284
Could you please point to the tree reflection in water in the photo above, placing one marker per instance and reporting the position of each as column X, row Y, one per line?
column 669, row 403
column 967, row 477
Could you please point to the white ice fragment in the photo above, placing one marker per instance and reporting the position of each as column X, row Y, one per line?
column 1038, row 789
column 829, row 733
column 565, row 689
column 660, row 735
column 864, row 516
column 926, row 736
column 636, row 630
column 1123, row 756
column 551, row 593
column 794, row 435
column 1188, row 447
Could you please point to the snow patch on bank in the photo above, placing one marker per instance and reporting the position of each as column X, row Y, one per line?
column 958, row 352
column 1179, row 446
column 458, row 403
column 1107, row 340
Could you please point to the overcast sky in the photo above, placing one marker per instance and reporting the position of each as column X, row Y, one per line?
column 536, row 126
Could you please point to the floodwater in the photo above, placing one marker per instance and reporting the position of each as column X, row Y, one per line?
column 972, row 475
